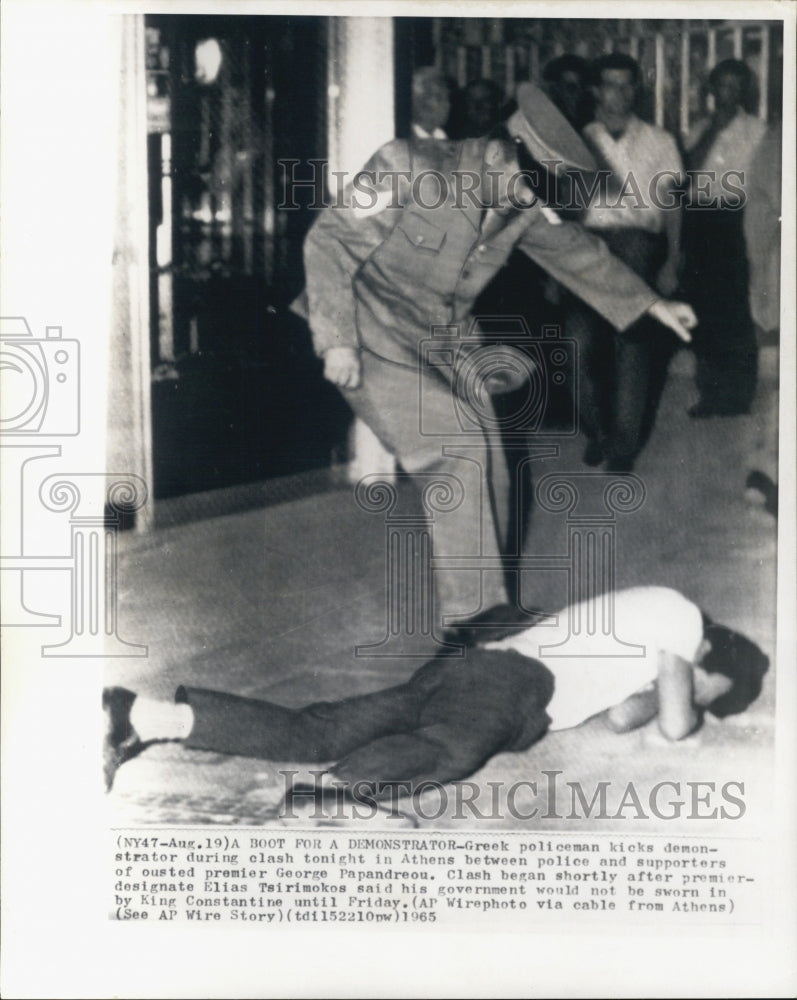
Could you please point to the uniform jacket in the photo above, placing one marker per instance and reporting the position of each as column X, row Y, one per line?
column 381, row 276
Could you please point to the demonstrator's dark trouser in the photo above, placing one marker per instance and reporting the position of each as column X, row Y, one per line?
column 441, row 725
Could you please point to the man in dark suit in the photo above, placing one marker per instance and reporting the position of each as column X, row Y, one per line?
column 418, row 236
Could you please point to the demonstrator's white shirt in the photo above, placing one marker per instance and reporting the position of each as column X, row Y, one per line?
column 587, row 681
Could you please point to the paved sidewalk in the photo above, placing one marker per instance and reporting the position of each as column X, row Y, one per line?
column 272, row 601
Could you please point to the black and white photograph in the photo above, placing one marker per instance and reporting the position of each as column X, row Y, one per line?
column 398, row 498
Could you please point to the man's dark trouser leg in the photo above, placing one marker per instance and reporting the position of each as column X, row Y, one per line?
column 636, row 386
column 323, row 731
column 632, row 381
column 493, row 701
column 594, row 339
column 443, row 724
column 725, row 340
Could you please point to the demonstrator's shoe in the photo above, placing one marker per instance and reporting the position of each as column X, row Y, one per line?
column 121, row 742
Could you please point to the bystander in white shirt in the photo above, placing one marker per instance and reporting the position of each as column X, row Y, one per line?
column 643, row 159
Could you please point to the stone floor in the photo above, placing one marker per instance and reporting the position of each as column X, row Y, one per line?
column 271, row 602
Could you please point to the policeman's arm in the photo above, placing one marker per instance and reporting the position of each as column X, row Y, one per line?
column 582, row 263
column 344, row 235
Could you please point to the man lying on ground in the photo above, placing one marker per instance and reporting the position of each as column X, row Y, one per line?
column 663, row 659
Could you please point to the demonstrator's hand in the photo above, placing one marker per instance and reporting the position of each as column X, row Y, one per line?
column 342, row 367
column 678, row 316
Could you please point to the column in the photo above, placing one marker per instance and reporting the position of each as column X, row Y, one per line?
column 360, row 102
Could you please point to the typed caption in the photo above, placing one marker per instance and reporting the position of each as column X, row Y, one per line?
column 342, row 877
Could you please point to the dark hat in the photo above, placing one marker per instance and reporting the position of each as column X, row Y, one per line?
column 545, row 131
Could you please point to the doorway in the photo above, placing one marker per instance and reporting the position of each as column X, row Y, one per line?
column 237, row 393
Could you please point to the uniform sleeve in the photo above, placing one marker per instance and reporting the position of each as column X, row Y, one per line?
column 583, row 264
column 342, row 239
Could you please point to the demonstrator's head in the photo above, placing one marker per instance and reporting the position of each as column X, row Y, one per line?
column 738, row 659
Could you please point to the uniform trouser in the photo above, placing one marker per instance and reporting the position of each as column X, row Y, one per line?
column 724, row 339
column 441, row 725
column 424, row 426
column 621, row 375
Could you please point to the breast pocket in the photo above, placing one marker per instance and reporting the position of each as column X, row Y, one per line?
column 422, row 233
column 491, row 255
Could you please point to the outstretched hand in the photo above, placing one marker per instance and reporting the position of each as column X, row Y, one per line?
column 342, row 367
column 678, row 316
